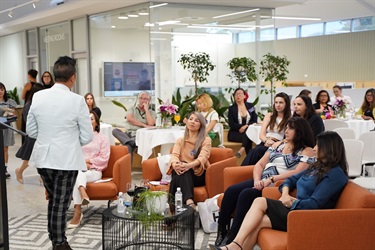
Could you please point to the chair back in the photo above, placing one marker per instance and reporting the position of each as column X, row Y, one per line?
column 345, row 133
column 219, row 154
column 353, row 151
column 355, row 196
column 368, row 140
column 116, row 153
column 330, row 124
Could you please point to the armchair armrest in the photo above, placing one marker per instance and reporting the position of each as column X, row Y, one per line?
column 150, row 170
column 122, row 172
column 237, row 174
column 331, row 229
column 215, row 175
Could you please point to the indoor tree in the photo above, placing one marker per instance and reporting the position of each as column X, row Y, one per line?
column 243, row 70
column 274, row 68
column 199, row 65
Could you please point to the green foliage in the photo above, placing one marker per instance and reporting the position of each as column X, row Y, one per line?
column 243, row 69
column 199, row 65
column 13, row 94
column 274, row 68
column 119, row 105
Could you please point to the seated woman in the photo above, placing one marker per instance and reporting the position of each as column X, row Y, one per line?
column 318, row 187
column 272, row 130
column 367, row 109
column 321, row 105
column 204, row 105
column 282, row 160
column 97, row 155
column 90, row 101
column 303, row 108
column 337, row 92
column 240, row 115
column 189, row 159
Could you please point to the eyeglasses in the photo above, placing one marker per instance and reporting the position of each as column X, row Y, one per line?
column 144, row 99
column 47, row 76
column 239, row 93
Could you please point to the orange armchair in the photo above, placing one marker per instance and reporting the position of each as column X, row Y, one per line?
column 119, row 169
column 220, row 158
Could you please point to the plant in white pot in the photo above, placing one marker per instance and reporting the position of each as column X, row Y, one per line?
column 243, row 70
column 199, row 66
column 274, row 68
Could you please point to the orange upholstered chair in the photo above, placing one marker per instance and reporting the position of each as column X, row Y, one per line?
column 119, row 169
column 220, row 158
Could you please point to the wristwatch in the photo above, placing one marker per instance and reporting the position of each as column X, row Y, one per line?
column 272, row 180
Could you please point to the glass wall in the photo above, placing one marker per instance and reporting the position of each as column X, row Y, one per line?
column 160, row 33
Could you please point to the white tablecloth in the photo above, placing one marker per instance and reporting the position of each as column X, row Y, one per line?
column 359, row 126
column 106, row 129
column 148, row 138
column 253, row 132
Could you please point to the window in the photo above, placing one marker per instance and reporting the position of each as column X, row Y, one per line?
column 363, row 24
column 315, row 29
column 246, row 37
column 286, row 33
column 267, row 34
column 336, row 27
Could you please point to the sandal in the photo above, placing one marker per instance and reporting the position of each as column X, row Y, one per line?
column 237, row 245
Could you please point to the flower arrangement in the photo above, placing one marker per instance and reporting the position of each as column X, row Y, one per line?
column 340, row 106
column 167, row 109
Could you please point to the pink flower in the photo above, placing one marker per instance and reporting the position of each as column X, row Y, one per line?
column 167, row 109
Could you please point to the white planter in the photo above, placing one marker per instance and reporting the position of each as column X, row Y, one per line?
column 157, row 204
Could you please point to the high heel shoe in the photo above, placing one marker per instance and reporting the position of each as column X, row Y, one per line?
column 19, row 176
column 71, row 226
column 221, row 233
column 85, row 202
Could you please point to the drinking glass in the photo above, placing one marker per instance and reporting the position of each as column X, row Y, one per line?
column 144, row 183
column 130, row 191
column 177, row 118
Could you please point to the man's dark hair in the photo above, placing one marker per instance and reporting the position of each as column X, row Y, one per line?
column 33, row 73
column 64, row 68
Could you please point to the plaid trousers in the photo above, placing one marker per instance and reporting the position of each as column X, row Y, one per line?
column 59, row 185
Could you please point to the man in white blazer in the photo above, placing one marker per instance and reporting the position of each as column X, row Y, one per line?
column 59, row 121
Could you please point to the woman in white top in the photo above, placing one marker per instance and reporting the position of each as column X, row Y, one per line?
column 337, row 91
column 273, row 128
column 204, row 105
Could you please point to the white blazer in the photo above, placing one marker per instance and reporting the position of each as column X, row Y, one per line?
column 59, row 120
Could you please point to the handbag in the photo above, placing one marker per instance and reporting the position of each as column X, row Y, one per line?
column 215, row 138
column 209, row 214
column 268, row 172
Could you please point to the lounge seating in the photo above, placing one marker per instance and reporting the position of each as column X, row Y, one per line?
column 349, row 226
column 220, row 158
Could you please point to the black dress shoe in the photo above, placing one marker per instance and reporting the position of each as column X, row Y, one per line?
column 229, row 237
column 64, row 246
column 213, row 247
column 221, row 233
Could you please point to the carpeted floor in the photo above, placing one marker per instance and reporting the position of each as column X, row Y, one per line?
column 30, row 232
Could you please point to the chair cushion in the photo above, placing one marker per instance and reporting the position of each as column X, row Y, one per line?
column 272, row 239
column 200, row 194
column 98, row 191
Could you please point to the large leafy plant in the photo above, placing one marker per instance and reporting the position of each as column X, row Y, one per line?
column 199, row 66
column 274, row 68
column 13, row 94
column 243, row 70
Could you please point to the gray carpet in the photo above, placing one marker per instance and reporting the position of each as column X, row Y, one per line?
column 30, row 232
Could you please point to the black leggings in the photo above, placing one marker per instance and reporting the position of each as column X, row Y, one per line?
column 238, row 198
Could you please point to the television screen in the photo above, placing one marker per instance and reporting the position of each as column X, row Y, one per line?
column 128, row 78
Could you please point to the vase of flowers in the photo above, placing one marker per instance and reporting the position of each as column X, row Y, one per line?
column 340, row 108
column 167, row 110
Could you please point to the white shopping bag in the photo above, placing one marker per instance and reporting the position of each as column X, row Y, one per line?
column 209, row 214
column 163, row 161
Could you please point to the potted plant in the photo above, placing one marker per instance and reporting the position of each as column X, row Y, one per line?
column 199, row 65
column 13, row 94
column 243, row 69
column 274, row 68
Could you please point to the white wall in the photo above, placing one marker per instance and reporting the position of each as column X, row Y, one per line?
column 13, row 69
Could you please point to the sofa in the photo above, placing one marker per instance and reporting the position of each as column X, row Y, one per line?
column 220, row 158
column 350, row 225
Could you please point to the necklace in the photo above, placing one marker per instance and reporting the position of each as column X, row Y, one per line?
column 288, row 147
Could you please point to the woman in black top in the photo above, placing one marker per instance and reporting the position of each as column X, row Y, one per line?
column 240, row 115
column 321, row 104
column 303, row 107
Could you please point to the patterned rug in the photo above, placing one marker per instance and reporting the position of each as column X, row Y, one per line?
column 30, row 232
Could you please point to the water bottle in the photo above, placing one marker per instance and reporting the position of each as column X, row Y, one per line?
column 178, row 200
column 120, row 203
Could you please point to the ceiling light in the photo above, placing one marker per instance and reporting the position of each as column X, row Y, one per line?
column 293, row 18
column 149, row 25
column 143, row 12
column 236, row 13
column 168, row 22
column 132, row 14
column 34, row 6
column 113, row 26
column 158, row 5
column 122, row 16
column 10, row 14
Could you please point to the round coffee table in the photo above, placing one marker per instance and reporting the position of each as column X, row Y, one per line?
column 127, row 231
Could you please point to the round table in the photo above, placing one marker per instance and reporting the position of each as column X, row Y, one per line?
column 106, row 129
column 148, row 138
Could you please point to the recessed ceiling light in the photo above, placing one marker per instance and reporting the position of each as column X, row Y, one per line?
column 132, row 14
column 143, row 12
column 113, row 26
column 10, row 14
column 122, row 16
column 158, row 5
column 236, row 13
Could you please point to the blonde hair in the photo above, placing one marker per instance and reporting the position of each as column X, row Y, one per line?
column 206, row 99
